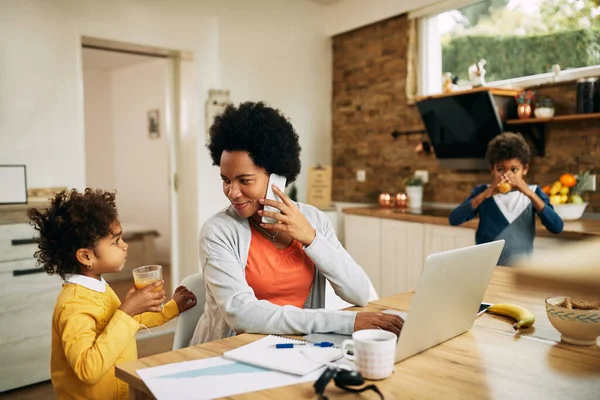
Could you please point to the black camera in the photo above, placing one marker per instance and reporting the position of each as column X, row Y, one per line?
column 342, row 378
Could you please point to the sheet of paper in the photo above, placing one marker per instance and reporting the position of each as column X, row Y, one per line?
column 214, row 377
column 300, row 361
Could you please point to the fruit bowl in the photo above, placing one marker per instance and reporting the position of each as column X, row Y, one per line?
column 579, row 327
column 570, row 211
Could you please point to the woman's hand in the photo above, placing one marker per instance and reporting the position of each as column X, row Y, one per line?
column 184, row 299
column 290, row 220
column 374, row 320
column 143, row 300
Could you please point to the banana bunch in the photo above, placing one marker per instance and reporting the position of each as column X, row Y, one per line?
column 523, row 317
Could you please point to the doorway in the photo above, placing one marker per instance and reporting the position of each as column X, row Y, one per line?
column 140, row 128
column 126, row 150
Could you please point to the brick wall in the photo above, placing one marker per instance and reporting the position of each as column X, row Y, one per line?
column 369, row 103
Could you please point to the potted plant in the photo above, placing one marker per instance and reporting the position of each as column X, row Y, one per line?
column 414, row 191
column 524, row 100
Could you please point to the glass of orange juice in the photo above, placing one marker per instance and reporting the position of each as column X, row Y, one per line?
column 146, row 275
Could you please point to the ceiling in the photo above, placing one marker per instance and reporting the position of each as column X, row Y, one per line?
column 326, row 2
column 110, row 60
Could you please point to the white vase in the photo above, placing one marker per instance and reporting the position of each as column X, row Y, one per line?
column 415, row 196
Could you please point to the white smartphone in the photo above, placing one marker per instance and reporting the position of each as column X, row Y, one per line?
column 280, row 182
column 483, row 308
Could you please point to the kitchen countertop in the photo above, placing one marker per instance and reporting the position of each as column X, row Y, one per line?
column 17, row 213
column 582, row 228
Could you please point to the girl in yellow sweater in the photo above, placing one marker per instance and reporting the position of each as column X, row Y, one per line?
column 80, row 238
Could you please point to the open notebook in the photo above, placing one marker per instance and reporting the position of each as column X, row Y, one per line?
column 299, row 360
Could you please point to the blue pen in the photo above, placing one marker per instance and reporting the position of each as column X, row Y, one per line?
column 292, row 345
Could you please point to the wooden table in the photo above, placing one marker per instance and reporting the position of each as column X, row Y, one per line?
column 491, row 361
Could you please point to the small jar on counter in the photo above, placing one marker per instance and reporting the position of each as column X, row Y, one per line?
column 401, row 201
column 386, row 200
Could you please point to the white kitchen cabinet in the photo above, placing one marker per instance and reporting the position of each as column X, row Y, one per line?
column 401, row 255
column 392, row 252
column 27, row 300
column 363, row 243
column 442, row 238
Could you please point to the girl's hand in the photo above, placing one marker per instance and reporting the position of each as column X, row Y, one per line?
column 290, row 220
column 143, row 300
column 184, row 299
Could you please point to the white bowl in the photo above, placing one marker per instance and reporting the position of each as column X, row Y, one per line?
column 580, row 327
column 570, row 211
column 544, row 112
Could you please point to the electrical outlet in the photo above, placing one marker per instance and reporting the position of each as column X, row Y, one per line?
column 423, row 174
column 590, row 184
column 361, row 175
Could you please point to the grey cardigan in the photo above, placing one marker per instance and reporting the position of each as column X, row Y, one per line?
column 231, row 305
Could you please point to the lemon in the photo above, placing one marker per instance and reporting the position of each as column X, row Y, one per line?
column 564, row 198
column 555, row 199
column 556, row 186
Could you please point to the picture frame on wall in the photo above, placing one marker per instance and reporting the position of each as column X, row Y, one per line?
column 13, row 184
column 154, row 124
column 215, row 105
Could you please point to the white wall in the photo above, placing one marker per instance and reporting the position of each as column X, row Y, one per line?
column 269, row 50
column 119, row 154
column 260, row 50
column 347, row 15
column 99, row 141
column 141, row 163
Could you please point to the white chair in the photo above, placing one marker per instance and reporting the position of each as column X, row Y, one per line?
column 187, row 321
column 335, row 302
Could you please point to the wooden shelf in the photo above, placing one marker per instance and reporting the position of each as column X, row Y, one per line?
column 558, row 118
column 492, row 90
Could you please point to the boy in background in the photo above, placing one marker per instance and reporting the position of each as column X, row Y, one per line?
column 507, row 207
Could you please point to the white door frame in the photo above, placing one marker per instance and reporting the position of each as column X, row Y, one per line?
column 181, row 132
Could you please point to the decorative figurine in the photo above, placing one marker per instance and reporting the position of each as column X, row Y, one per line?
column 556, row 71
column 524, row 100
column 477, row 73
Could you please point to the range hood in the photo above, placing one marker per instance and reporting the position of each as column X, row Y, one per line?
column 460, row 125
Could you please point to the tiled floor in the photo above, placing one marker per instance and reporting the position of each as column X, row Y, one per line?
column 159, row 341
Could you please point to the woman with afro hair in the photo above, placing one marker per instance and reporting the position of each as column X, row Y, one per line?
column 270, row 278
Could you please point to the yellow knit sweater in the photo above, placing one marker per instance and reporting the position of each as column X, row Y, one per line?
column 90, row 335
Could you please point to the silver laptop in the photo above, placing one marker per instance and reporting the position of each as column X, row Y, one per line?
column 447, row 298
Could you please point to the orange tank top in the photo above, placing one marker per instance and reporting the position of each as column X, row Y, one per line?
column 280, row 276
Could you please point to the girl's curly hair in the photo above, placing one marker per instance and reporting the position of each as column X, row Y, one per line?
column 73, row 221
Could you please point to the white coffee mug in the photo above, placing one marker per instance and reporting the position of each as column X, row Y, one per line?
column 374, row 352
